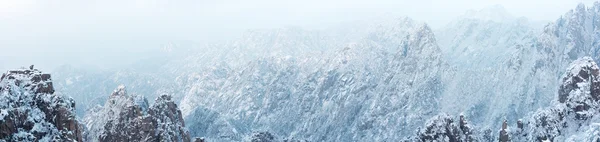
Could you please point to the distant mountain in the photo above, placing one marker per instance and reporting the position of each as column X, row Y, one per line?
column 343, row 95
column 89, row 86
column 493, row 72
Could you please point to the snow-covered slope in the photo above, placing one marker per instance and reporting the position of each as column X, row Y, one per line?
column 575, row 34
column 388, row 80
column 574, row 113
column 573, row 116
column 493, row 69
column 488, row 34
column 504, row 69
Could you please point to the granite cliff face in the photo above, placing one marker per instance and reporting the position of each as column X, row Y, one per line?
column 30, row 111
column 130, row 118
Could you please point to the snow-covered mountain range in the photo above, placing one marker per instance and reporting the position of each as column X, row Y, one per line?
column 388, row 79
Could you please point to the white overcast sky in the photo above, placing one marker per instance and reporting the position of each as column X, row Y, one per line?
column 54, row 32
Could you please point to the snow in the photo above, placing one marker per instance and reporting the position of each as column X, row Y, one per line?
column 3, row 113
column 332, row 93
column 591, row 134
column 19, row 93
column 375, row 80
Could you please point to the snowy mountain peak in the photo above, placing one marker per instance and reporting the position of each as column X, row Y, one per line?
column 120, row 91
column 423, row 34
column 129, row 118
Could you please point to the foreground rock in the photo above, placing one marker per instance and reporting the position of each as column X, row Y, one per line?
column 130, row 118
column 444, row 128
column 29, row 110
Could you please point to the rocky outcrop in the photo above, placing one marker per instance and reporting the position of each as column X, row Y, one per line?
column 30, row 111
column 262, row 137
column 130, row 118
column 443, row 128
column 170, row 126
column 581, row 86
column 504, row 133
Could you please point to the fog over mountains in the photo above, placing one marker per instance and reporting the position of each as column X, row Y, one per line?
column 487, row 75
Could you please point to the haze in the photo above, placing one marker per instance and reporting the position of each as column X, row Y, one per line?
column 111, row 33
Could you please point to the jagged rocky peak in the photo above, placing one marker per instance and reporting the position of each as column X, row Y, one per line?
column 406, row 37
column 120, row 91
column 580, row 89
column 443, row 128
column 127, row 117
column 423, row 38
column 171, row 126
column 30, row 111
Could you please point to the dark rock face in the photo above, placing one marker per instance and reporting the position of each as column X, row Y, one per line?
column 263, row 137
column 581, row 86
column 130, row 118
column 199, row 139
column 504, row 133
column 443, row 128
column 29, row 110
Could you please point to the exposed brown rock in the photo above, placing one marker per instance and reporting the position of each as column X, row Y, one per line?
column 504, row 133
column 580, row 89
column 132, row 120
column 35, row 105
column 262, row 137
